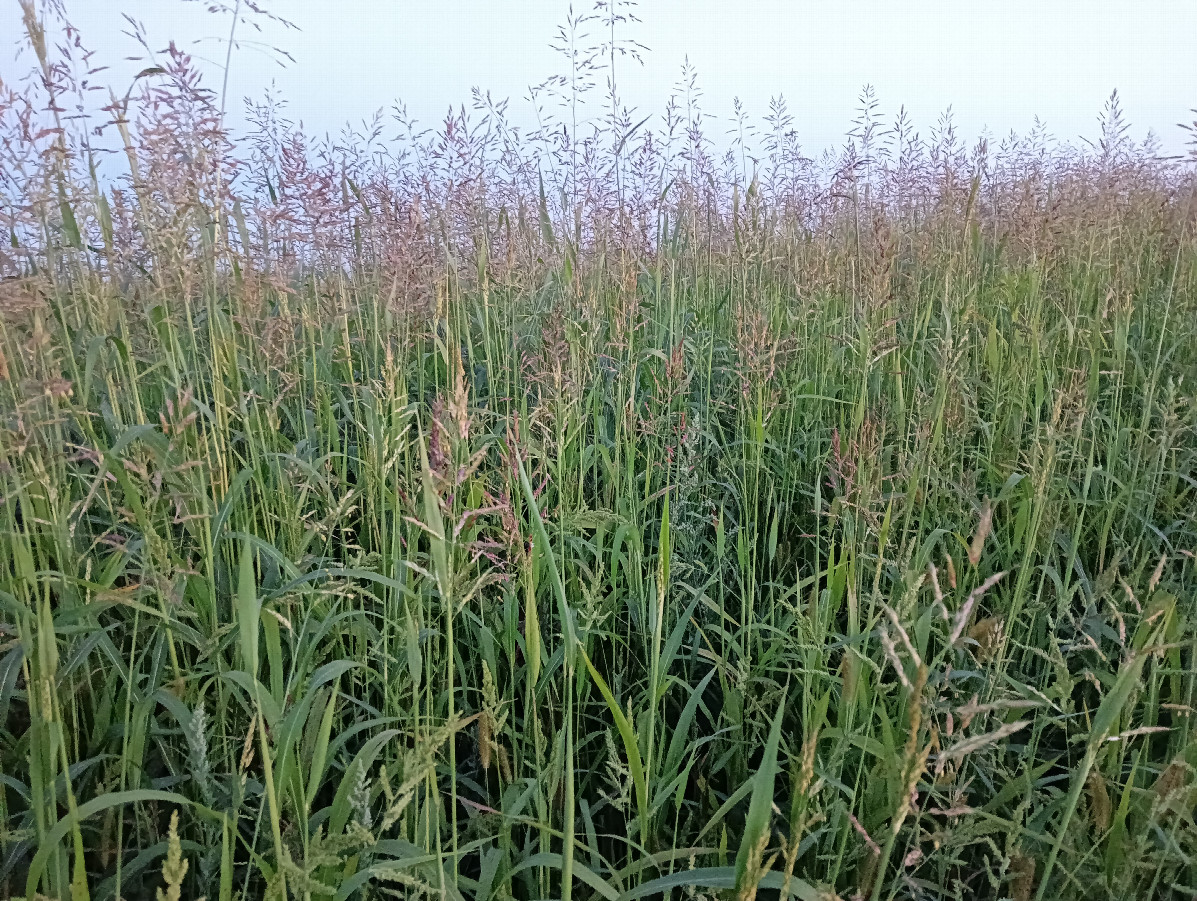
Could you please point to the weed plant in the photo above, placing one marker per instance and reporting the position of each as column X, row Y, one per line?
column 581, row 513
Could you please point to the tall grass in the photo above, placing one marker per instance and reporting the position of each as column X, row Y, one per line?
column 495, row 515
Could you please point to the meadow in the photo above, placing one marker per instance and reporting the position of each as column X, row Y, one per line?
column 583, row 513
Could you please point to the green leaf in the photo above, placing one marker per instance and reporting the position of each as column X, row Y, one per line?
column 628, row 735
column 545, row 549
column 341, row 810
column 415, row 660
column 554, row 861
column 320, row 751
column 681, row 728
column 51, row 840
column 756, row 825
column 672, row 644
column 435, row 527
column 663, row 549
column 1104, row 722
column 70, row 228
column 249, row 611
column 718, row 878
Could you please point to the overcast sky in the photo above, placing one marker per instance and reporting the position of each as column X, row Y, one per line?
column 996, row 64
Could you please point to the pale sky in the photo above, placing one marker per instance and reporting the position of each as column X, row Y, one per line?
column 995, row 64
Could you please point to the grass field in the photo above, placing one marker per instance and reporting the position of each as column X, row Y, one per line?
column 487, row 516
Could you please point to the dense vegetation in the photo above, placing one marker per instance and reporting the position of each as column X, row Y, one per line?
column 583, row 514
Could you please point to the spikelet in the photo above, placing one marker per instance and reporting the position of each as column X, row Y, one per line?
column 359, row 799
column 914, row 759
column 1156, row 574
column 987, row 633
column 491, row 719
column 195, row 730
column 459, row 400
column 618, row 775
column 1100, row 809
column 806, row 776
column 1022, row 881
column 755, row 870
column 937, row 590
column 1172, row 779
column 978, row 544
column 174, row 868
column 418, row 763
column 247, row 749
column 504, row 763
column 485, row 739
column 964, row 614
